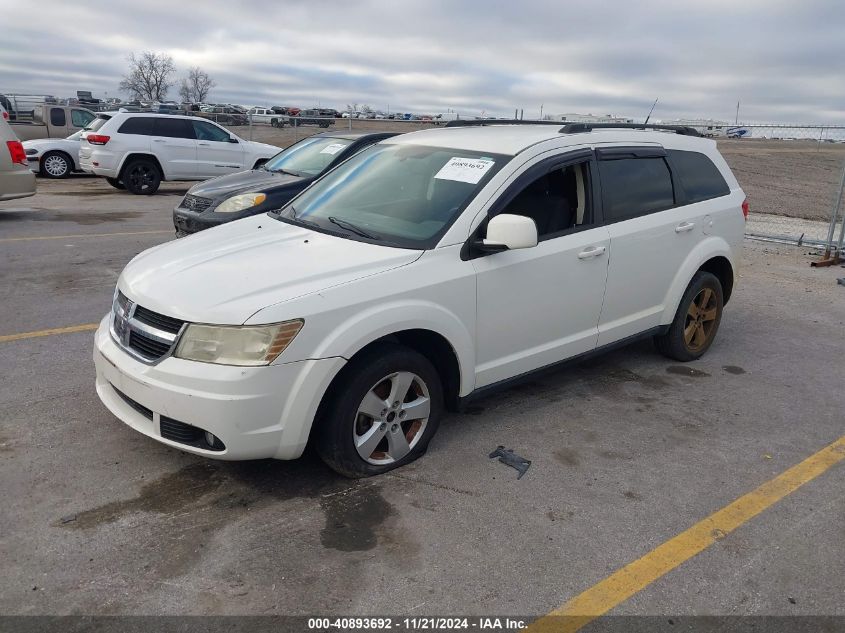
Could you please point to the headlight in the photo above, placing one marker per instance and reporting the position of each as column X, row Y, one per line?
column 241, row 202
column 250, row 345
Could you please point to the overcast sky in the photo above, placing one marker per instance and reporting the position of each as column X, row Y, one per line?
column 784, row 60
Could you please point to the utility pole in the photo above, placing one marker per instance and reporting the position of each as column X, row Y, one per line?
column 541, row 111
column 736, row 120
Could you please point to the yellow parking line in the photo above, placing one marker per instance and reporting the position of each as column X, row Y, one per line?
column 73, row 237
column 85, row 327
column 636, row 576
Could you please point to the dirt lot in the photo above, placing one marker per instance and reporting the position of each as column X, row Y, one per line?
column 627, row 452
column 792, row 178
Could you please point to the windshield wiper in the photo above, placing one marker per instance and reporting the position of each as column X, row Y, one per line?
column 349, row 226
column 285, row 171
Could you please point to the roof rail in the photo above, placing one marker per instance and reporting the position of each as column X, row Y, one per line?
column 480, row 122
column 575, row 128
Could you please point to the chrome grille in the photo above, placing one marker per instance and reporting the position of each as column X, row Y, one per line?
column 144, row 334
column 196, row 204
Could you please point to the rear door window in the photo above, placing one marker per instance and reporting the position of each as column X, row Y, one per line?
column 58, row 117
column 700, row 178
column 205, row 131
column 632, row 187
column 172, row 128
column 137, row 125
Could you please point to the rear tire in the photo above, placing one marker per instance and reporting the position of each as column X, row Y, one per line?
column 696, row 321
column 114, row 182
column 381, row 413
column 56, row 164
column 141, row 177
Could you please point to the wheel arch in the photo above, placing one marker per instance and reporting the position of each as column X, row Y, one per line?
column 721, row 267
column 713, row 255
column 135, row 155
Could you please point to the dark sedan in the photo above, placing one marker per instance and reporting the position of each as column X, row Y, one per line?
column 271, row 186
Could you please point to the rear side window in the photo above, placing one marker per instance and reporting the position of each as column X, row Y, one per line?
column 700, row 178
column 57, row 117
column 635, row 186
column 137, row 125
column 172, row 128
column 207, row 132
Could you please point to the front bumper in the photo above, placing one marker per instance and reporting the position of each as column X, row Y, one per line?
column 256, row 412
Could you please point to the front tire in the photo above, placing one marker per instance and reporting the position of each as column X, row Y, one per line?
column 56, row 165
column 382, row 414
column 696, row 321
column 141, row 177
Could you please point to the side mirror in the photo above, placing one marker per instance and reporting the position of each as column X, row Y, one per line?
column 509, row 232
column 232, row 139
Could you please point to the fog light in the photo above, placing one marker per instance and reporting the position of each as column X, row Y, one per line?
column 210, row 439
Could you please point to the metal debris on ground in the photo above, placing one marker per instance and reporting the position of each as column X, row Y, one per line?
column 509, row 458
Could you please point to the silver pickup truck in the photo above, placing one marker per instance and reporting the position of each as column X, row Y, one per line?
column 52, row 121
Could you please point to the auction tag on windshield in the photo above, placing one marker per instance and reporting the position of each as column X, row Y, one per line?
column 332, row 149
column 468, row 170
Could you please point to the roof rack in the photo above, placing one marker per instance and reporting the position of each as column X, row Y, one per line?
column 575, row 128
column 480, row 122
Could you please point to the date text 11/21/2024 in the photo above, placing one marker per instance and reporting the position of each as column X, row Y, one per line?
column 422, row 623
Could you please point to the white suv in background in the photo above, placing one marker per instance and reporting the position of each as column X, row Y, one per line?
column 424, row 270
column 137, row 151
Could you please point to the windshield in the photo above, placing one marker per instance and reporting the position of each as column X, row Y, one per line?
column 404, row 195
column 309, row 157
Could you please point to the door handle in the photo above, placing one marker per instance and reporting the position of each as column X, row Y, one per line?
column 203, row 144
column 683, row 227
column 592, row 251
column 158, row 140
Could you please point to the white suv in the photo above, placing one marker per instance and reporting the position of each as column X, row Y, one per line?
column 137, row 151
column 423, row 271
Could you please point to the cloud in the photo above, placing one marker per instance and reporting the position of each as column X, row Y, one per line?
column 781, row 59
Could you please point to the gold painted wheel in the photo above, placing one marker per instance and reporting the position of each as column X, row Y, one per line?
column 700, row 323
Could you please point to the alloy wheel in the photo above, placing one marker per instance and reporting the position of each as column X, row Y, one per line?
column 701, row 319
column 55, row 166
column 141, row 177
column 391, row 418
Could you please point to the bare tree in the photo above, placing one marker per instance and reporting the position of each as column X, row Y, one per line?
column 196, row 86
column 185, row 91
column 149, row 76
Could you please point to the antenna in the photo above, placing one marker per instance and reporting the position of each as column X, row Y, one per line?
column 652, row 110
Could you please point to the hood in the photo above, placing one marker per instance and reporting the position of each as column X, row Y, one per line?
column 242, row 182
column 263, row 149
column 226, row 274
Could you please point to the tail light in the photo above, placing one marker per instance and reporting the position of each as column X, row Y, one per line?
column 5, row 115
column 745, row 209
column 97, row 139
column 17, row 152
